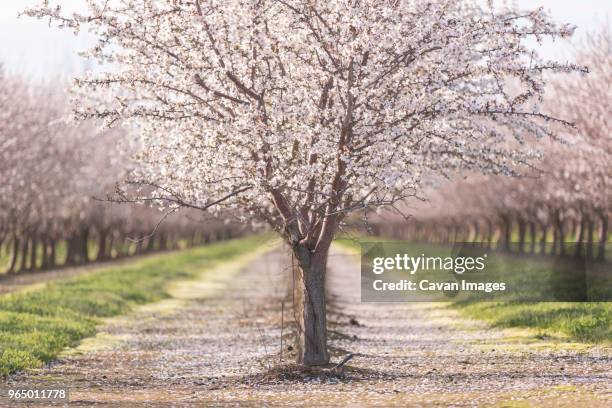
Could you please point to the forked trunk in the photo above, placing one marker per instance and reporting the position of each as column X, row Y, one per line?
column 310, row 313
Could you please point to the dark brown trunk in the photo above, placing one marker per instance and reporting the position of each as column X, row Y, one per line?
column 580, row 239
column 70, row 251
column 589, row 240
column 522, row 230
column 504, row 243
column 44, row 244
column 533, row 238
column 543, row 240
column 52, row 253
column 553, row 250
column 33, row 250
column 490, row 233
column 14, row 255
column 603, row 238
column 310, row 309
column 102, row 246
column 560, row 233
column 25, row 247
column 83, row 245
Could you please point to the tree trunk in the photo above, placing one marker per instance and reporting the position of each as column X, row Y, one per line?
column 543, row 239
column 553, row 250
column 522, row 230
column 589, row 240
column 580, row 239
column 14, row 255
column 560, row 233
column 33, row 252
column 603, row 238
column 490, row 234
column 44, row 244
column 83, row 251
column 504, row 242
column 70, row 251
column 52, row 254
column 309, row 274
column 533, row 238
column 476, row 237
column 25, row 249
column 102, row 245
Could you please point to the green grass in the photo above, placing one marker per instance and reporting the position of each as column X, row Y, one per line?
column 589, row 322
column 36, row 325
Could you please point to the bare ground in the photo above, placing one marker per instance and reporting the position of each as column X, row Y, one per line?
column 217, row 343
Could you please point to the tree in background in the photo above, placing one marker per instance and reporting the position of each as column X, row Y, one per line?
column 52, row 170
column 301, row 112
column 588, row 103
column 568, row 198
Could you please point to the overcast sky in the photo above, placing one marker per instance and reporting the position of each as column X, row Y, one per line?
column 30, row 47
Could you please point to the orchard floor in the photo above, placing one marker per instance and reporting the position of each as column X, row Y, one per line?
column 216, row 343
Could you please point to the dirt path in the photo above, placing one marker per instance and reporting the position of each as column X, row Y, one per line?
column 216, row 342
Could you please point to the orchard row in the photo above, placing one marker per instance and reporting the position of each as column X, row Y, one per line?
column 55, row 177
column 565, row 198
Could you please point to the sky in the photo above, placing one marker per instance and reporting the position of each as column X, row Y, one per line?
column 30, row 47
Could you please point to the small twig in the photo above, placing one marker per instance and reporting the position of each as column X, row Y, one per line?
column 262, row 340
column 280, row 356
column 162, row 219
column 344, row 361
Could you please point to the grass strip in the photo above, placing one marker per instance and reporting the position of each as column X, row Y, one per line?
column 589, row 322
column 35, row 326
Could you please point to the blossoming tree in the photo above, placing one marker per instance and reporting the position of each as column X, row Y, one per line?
column 301, row 112
column 567, row 200
column 51, row 172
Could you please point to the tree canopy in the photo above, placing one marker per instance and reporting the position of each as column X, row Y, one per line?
column 298, row 112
